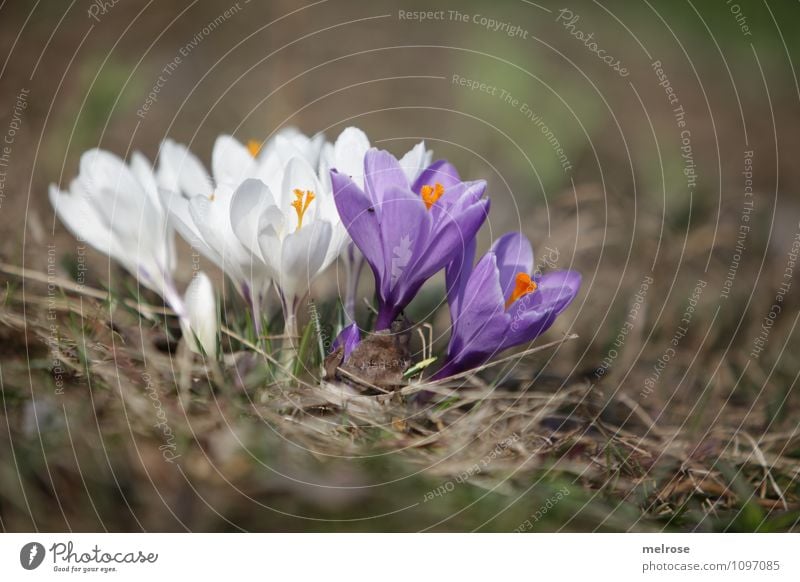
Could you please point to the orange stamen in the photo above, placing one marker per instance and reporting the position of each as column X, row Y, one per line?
column 303, row 199
column 430, row 194
column 522, row 286
column 254, row 147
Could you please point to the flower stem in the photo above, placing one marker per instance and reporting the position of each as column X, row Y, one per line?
column 290, row 337
column 385, row 318
column 255, row 308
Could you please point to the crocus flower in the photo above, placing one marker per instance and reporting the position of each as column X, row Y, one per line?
column 500, row 303
column 346, row 156
column 407, row 231
column 115, row 208
column 348, row 339
column 199, row 204
column 200, row 326
column 287, row 221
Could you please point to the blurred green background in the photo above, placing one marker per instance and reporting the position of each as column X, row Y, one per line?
column 614, row 203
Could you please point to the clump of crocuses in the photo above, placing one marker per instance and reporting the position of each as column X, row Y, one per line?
column 410, row 231
column 276, row 214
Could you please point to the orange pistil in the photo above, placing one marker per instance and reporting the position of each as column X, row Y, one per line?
column 430, row 194
column 254, row 147
column 522, row 286
column 301, row 204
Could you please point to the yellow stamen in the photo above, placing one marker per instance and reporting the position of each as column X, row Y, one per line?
column 522, row 286
column 213, row 196
column 303, row 199
column 254, row 147
column 430, row 194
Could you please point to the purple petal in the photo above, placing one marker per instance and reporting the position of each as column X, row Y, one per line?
column 405, row 227
column 348, row 338
column 514, row 255
column 471, row 193
column 381, row 172
column 457, row 198
column 450, row 237
column 533, row 314
column 482, row 322
column 440, row 171
column 456, row 275
column 360, row 219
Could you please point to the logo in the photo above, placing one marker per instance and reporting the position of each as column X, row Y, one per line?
column 31, row 555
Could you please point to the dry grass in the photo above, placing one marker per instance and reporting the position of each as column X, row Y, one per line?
column 484, row 451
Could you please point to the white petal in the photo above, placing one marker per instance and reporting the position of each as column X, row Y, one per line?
column 231, row 162
column 154, row 213
column 180, row 171
column 142, row 169
column 201, row 312
column 140, row 240
column 302, row 256
column 270, row 245
column 415, row 161
column 251, row 199
column 298, row 175
column 177, row 207
column 349, row 151
column 114, row 190
column 290, row 148
column 212, row 219
column 81, row 219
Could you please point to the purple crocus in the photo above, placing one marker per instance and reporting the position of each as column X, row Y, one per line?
column 407, row 232
column 500, row 303
column 348, row 338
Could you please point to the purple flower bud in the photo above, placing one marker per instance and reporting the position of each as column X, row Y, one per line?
column 499, row 304
column 348, row 338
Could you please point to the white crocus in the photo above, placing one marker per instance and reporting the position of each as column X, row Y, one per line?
column 347, row 157
column 199, row 204
column 115, row 208
column 199, row 207
column 291, row 227
column 200, row 327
